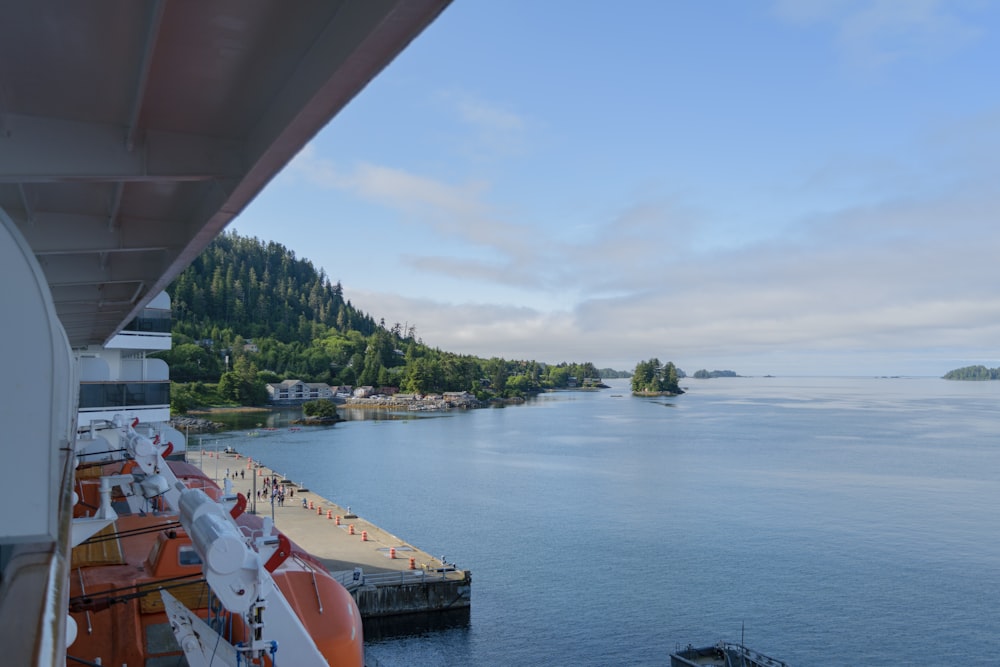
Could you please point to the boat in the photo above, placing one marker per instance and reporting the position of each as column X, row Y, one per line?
column 722, row 654
column 175, row 567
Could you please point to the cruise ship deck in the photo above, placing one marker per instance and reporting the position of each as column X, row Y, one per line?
column 131, row 134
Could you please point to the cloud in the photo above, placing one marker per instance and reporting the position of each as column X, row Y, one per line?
column 488, row 130
column 483, row 271
column 455, row 211
column 870, row 285
column 488, row 117
column 764, row 338
column 874, row 34
column 482, row 329
column 823, row 318
column 391, row 187
column 901, row 267
column 890, row 30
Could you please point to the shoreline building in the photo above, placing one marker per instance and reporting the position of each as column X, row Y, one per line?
column 296, row 392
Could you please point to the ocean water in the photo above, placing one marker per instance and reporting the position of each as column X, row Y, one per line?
column 834, row 521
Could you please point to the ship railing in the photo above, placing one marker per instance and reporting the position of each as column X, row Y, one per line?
column 750, row 654
column 251, row 533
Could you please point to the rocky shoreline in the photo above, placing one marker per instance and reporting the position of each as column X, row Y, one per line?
column 433, row 403
column 187, row 424
column 415, row 404
column 317, row 421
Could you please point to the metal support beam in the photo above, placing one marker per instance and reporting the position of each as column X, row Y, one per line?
column 50, row 150
column 116, row 202
column 29, row 213
column 91, row 268
column 142, row 75
column 80, row 233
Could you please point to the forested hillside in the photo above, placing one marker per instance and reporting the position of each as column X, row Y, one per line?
column 248, row 312
column 258, row 291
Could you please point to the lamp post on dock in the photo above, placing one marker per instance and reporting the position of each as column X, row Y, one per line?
column 253, row 501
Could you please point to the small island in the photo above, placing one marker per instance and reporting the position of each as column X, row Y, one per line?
column 651, row 378
column 318, row 413
column 973, row 373
column 706, row 374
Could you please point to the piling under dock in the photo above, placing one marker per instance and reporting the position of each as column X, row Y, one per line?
column 386, row 576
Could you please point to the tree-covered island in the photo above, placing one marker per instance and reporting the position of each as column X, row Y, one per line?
column 318, row 412
column 651, row 378
column 706, row 374
column 973, row 373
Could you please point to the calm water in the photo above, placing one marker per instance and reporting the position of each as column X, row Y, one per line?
column 843, row 521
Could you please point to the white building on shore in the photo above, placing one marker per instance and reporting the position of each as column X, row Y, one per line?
column 290, row 392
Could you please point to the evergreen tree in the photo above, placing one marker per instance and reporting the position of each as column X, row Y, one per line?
column 242, row 384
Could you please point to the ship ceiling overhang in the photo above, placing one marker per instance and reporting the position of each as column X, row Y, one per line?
column 132, row 132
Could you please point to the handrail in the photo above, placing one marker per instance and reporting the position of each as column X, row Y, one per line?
column 83, row 591
column 756, row 657
column 312, row 570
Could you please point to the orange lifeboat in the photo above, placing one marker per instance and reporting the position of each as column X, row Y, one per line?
column 117, row 575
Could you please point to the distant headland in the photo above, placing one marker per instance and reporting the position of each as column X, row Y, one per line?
column 973, row 373
column 705, row 374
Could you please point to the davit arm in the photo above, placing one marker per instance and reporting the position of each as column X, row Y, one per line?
column 160, row 479
column 236, row 574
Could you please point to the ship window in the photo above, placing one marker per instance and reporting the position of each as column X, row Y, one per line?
column 188, row 556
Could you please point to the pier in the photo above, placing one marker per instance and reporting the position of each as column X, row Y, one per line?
column 387, row 576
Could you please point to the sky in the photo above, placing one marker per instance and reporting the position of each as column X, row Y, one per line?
column 786, row 187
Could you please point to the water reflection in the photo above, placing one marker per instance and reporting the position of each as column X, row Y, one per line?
column 410, row 625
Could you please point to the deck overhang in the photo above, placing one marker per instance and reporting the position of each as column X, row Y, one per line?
column 132, row 132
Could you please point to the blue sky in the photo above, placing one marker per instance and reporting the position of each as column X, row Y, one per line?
column 797, row 187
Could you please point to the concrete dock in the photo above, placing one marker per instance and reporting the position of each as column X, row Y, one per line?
column 395, row 577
